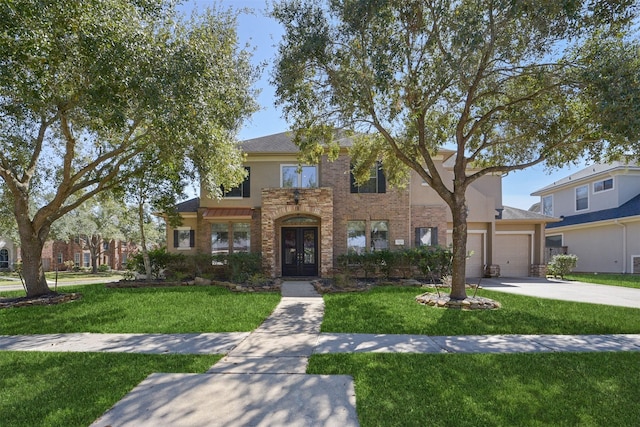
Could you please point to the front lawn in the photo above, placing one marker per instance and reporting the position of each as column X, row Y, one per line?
column 570, row 389
column 74, row 389
column 143, row 310
column 393, row 310
column 624, row 280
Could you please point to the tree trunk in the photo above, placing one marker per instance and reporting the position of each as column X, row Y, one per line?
column 94, row 250
column 143, row 241
column 458, row 274
column 32, row 270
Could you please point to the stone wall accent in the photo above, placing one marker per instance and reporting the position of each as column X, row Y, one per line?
column 538, row 270
column 277, row 204
column 492, row 270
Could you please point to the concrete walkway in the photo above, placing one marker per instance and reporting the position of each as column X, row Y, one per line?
column 262, row 382
column 565, row 290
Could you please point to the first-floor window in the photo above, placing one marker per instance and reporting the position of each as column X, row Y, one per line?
column 553, row 241
column 4, row 258
column 356, row 237
column 60, row 258
column 184, row 238
column 241, row 237
column 426, row 236
column 379, row 235
column 220, row 238
column 87, row 259
column 76, row 259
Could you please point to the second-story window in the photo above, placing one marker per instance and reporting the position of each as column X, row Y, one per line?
column 606, row 184
column 302, row 177
column 547, row 205
column 582, row 198
column 375, row 184
column 241, row 191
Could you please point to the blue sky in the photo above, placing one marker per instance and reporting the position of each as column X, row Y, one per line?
column 263, row 35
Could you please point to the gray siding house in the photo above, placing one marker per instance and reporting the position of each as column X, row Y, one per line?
column 599, row 211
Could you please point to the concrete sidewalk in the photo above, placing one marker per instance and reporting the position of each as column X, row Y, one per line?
column 289, row 354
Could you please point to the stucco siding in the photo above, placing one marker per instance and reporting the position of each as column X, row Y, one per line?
column 598, row 249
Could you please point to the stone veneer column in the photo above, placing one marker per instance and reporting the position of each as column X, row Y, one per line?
column 279, row 203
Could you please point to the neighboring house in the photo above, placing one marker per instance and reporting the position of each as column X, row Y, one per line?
column 8, row 254
column 302, row 219
column 599, row 208
column 56, row 253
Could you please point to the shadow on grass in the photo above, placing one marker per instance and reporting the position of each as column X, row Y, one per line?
column 490, row 390
column 64, row 389
column 393, row 310
column 148, row 310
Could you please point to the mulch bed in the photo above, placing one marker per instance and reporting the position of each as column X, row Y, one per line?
column 46, row 299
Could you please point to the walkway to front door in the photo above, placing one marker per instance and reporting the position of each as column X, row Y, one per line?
column 299, row 251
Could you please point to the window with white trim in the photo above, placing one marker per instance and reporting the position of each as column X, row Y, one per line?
column 547, row 205
column 604, row 185
column 582, row 198
column 184, row 238
column 293, row 176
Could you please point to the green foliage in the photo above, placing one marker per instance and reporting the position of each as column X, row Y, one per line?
column 95, row 93
column 103, row 268
column 159, row 258
column 432, row 262
column 561, row 265
column 506, row 85
column 239, row 267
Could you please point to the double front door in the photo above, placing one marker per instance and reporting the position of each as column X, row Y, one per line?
column 299, row 251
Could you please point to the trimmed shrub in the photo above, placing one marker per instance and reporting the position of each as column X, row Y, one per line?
column 561, row 265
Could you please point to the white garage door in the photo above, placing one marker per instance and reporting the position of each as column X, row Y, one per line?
column 513, row 254
column 475, row 263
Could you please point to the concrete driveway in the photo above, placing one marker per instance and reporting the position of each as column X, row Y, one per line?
column 565, row 290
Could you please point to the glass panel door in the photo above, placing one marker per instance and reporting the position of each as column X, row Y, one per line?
column 299, row 251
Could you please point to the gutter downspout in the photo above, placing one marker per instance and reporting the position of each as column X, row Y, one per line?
column 624, row 245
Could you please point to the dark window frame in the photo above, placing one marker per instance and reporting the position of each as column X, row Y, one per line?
column 243, row 190
column 380, row 185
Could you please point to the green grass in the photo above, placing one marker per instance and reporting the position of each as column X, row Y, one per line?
column 585, row 389
column 143, row 310
column 63, row 277
column 74, row 389
column 393, row 310
column 624, row 280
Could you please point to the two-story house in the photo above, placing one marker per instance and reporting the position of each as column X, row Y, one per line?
column 302, row 218
column 599, row 208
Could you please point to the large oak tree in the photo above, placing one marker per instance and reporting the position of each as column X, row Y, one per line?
column 89, row 86
column 505, row 84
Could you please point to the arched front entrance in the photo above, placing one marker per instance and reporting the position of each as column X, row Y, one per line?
column 299, row 246
column 297, row 231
